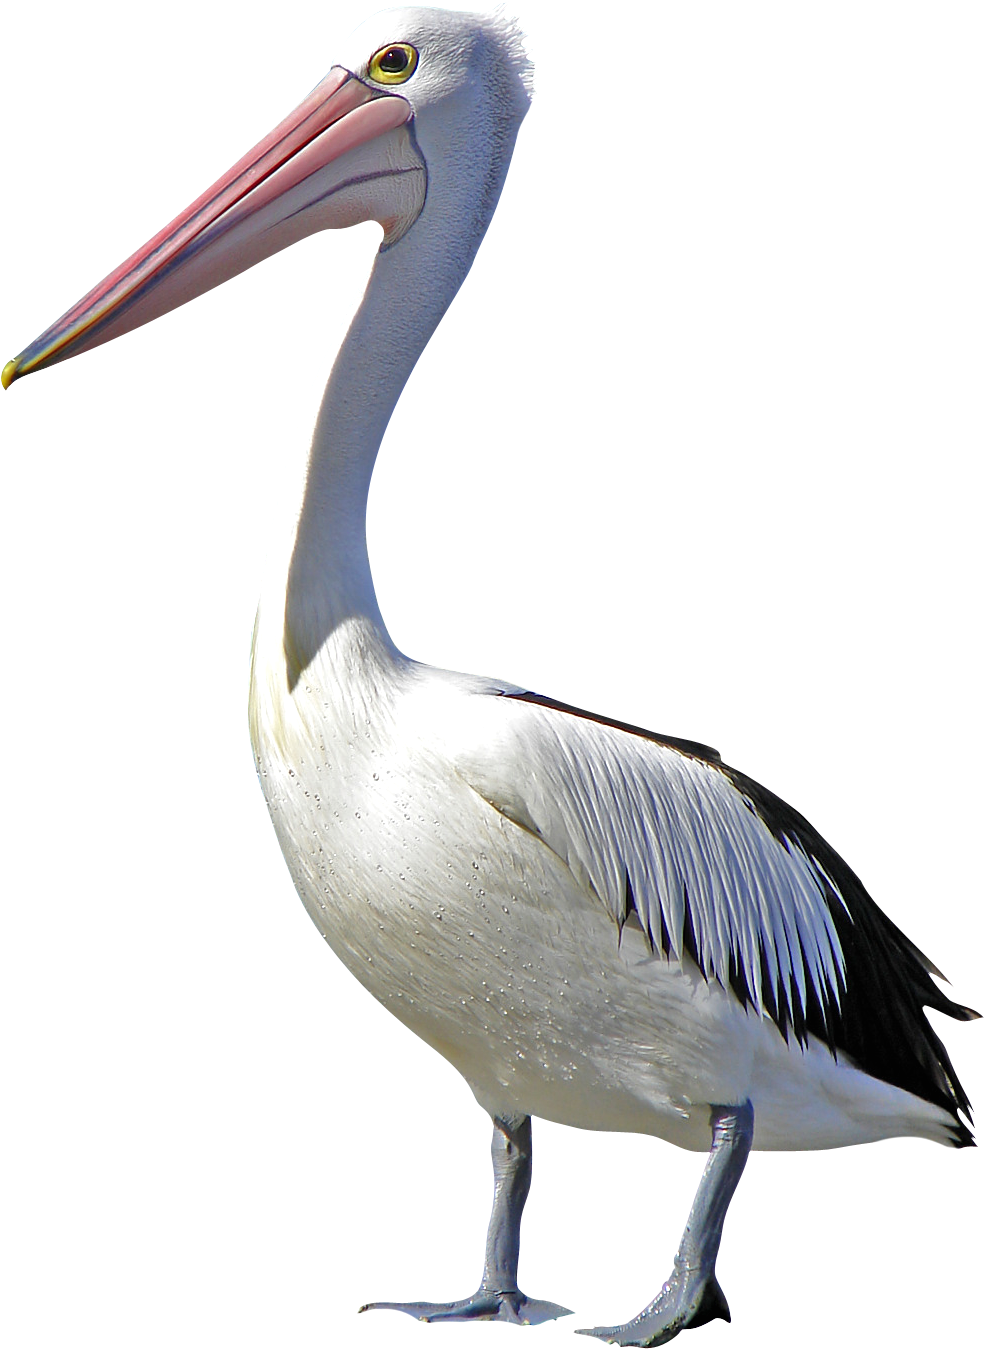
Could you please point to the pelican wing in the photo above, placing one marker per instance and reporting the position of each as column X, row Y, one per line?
column 717, row 868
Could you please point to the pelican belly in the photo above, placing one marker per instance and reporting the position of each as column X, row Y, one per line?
column 477, row 938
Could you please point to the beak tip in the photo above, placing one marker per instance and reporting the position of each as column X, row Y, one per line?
column 8, row 374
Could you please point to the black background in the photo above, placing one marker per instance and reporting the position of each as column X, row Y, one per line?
column 687, row 451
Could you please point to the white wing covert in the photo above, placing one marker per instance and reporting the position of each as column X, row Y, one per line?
column 652, row 826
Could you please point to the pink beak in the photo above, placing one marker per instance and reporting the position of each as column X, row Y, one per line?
column 274, row 195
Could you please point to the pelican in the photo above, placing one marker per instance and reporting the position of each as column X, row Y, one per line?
column 595, row 924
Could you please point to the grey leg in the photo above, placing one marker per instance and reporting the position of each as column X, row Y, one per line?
column 498, row 1297
column 692, row 1295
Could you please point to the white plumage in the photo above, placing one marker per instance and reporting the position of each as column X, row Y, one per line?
column 465, row 853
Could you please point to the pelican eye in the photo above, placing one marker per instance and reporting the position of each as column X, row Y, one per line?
column 393, row 64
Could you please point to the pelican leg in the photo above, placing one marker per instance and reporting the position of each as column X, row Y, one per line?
column 498, row 1297
column 692, row 1295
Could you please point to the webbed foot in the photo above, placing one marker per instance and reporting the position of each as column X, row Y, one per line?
column 485, row 1305
column 685, row 1301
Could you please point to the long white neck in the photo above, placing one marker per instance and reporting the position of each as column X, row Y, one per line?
column 411, row 285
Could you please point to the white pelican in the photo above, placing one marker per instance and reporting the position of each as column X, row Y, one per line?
column 594, row 924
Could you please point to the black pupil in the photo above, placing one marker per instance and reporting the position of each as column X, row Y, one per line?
column 394, row 61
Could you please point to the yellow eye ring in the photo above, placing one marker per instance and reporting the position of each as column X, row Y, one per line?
column 393, row 64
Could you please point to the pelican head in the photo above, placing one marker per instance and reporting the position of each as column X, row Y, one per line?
column 415, row 123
